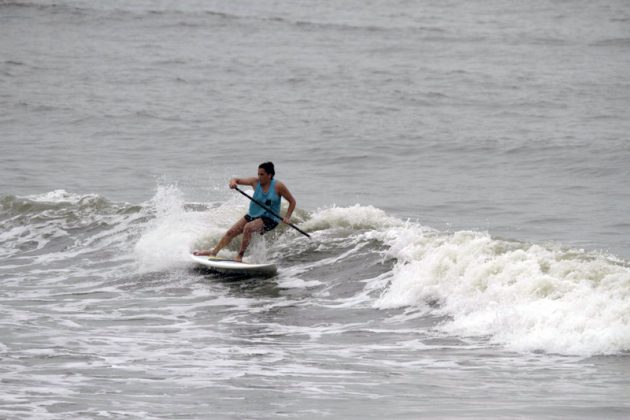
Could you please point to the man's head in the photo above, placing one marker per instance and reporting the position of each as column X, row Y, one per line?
column 268, row 169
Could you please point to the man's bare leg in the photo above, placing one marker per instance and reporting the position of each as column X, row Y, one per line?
column 232, row 233
column 251, row 227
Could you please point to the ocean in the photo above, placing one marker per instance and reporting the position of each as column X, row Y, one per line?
column 461, row 166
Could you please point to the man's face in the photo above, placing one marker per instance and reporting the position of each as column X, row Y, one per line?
column 263, row 176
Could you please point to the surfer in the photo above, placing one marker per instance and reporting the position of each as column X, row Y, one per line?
column 268, row 191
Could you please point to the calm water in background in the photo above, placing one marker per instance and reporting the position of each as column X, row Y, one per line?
column 463, row 168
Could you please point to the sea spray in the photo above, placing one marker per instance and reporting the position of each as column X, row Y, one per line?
column 167, row 238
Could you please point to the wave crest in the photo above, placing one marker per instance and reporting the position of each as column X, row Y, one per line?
column 354, row 217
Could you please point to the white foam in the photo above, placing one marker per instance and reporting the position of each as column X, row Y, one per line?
column 61, row 196
column 297, row 283
column 167, row 239
column 524, row 297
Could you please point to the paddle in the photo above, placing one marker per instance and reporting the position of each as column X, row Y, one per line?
column 272, row 212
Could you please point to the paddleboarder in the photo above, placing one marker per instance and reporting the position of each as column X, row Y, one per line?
column 263, row 214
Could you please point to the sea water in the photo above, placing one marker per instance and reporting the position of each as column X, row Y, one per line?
column 462, row 168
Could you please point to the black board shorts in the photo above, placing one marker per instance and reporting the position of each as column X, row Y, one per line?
column 269, row 224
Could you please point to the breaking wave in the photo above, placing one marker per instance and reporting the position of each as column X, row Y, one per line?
column 523, row 297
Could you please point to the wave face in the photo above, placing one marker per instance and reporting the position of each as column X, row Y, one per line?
column 522, row 297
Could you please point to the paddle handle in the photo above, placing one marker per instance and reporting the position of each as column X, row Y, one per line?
column 272, row 212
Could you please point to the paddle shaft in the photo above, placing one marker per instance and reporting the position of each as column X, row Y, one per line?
column 272, row 212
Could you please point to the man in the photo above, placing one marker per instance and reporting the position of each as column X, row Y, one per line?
column 267, row 191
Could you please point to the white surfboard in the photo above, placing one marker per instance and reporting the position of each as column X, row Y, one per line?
column 226, row 266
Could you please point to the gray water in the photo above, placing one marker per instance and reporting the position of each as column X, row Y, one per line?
column 462, row 167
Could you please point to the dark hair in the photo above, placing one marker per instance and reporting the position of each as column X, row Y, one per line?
column 268, row 167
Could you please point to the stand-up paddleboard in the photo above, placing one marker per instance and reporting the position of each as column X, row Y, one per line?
column 226, row 266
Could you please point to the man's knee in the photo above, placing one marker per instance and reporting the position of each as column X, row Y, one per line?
column 251, row 228
column 232, row 232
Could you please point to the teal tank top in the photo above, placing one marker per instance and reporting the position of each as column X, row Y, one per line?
column 270, row 199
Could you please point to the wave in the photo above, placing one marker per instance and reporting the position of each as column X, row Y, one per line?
column 612, row 42
column 523, row 297
column 520, row 296
column 43, row 5
column 195, row 14
column 63, row 226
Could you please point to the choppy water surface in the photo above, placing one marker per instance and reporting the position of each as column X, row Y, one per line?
column 462, row 168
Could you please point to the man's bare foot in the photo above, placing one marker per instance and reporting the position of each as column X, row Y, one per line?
column 239, row 257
